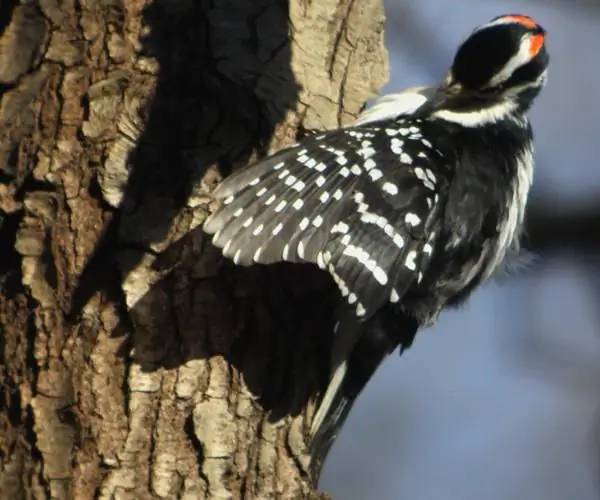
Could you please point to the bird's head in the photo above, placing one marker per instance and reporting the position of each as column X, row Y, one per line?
column 501, row 65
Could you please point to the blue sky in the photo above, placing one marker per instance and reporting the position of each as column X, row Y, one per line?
column 500, row 400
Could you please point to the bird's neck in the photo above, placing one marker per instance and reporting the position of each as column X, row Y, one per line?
column 477, row 112
column 478, row 117
column 481, row 109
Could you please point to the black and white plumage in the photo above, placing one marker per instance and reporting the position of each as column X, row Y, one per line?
column 408, row 209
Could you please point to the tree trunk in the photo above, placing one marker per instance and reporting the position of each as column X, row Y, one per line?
column 135, row 362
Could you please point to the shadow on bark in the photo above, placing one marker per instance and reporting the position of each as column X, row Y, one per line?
column 271, row 323
column 205, row 110
column 216, row 102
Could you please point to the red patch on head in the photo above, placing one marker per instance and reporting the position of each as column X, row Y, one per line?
column 522, row 20
column 535, row 44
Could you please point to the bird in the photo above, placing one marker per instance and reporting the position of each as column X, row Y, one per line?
column 409, row 209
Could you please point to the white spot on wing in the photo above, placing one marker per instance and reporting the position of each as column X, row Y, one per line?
column 422, row 175
column 320, row 261
column 390, row 188
column 236, row 257
column 375, row 174
column 396, row 145
column 360, row 310
column 404, row 158
column 299, row 186
column 366, row 151
column 277, row 229
column 340, row 227
column 412, row 219
column 301, row 249
column 380, row 275
column 370, row 264
column 398, row 241
column 409, row 262
column 381, row 222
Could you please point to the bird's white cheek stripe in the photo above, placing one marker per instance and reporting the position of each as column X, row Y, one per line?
column 519, row 59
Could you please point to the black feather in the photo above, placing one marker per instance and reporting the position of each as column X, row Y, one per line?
column 342, row 200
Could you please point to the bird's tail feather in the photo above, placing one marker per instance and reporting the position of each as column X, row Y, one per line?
column 331, row 401
column 359, row 349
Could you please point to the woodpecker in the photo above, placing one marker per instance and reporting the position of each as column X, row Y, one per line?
column 408, row 209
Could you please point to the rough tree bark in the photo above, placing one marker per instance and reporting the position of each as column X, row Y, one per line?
column 135, row 363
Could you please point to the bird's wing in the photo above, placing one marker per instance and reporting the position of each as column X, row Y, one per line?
column 358, row 202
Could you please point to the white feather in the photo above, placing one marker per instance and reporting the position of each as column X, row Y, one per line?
column 393, row 105
column 510, row 230
column 522, row 57
column 477, row 118
column 330, row 393
column 347, row 332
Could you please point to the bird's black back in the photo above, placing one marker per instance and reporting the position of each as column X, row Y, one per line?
column 484, row 169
